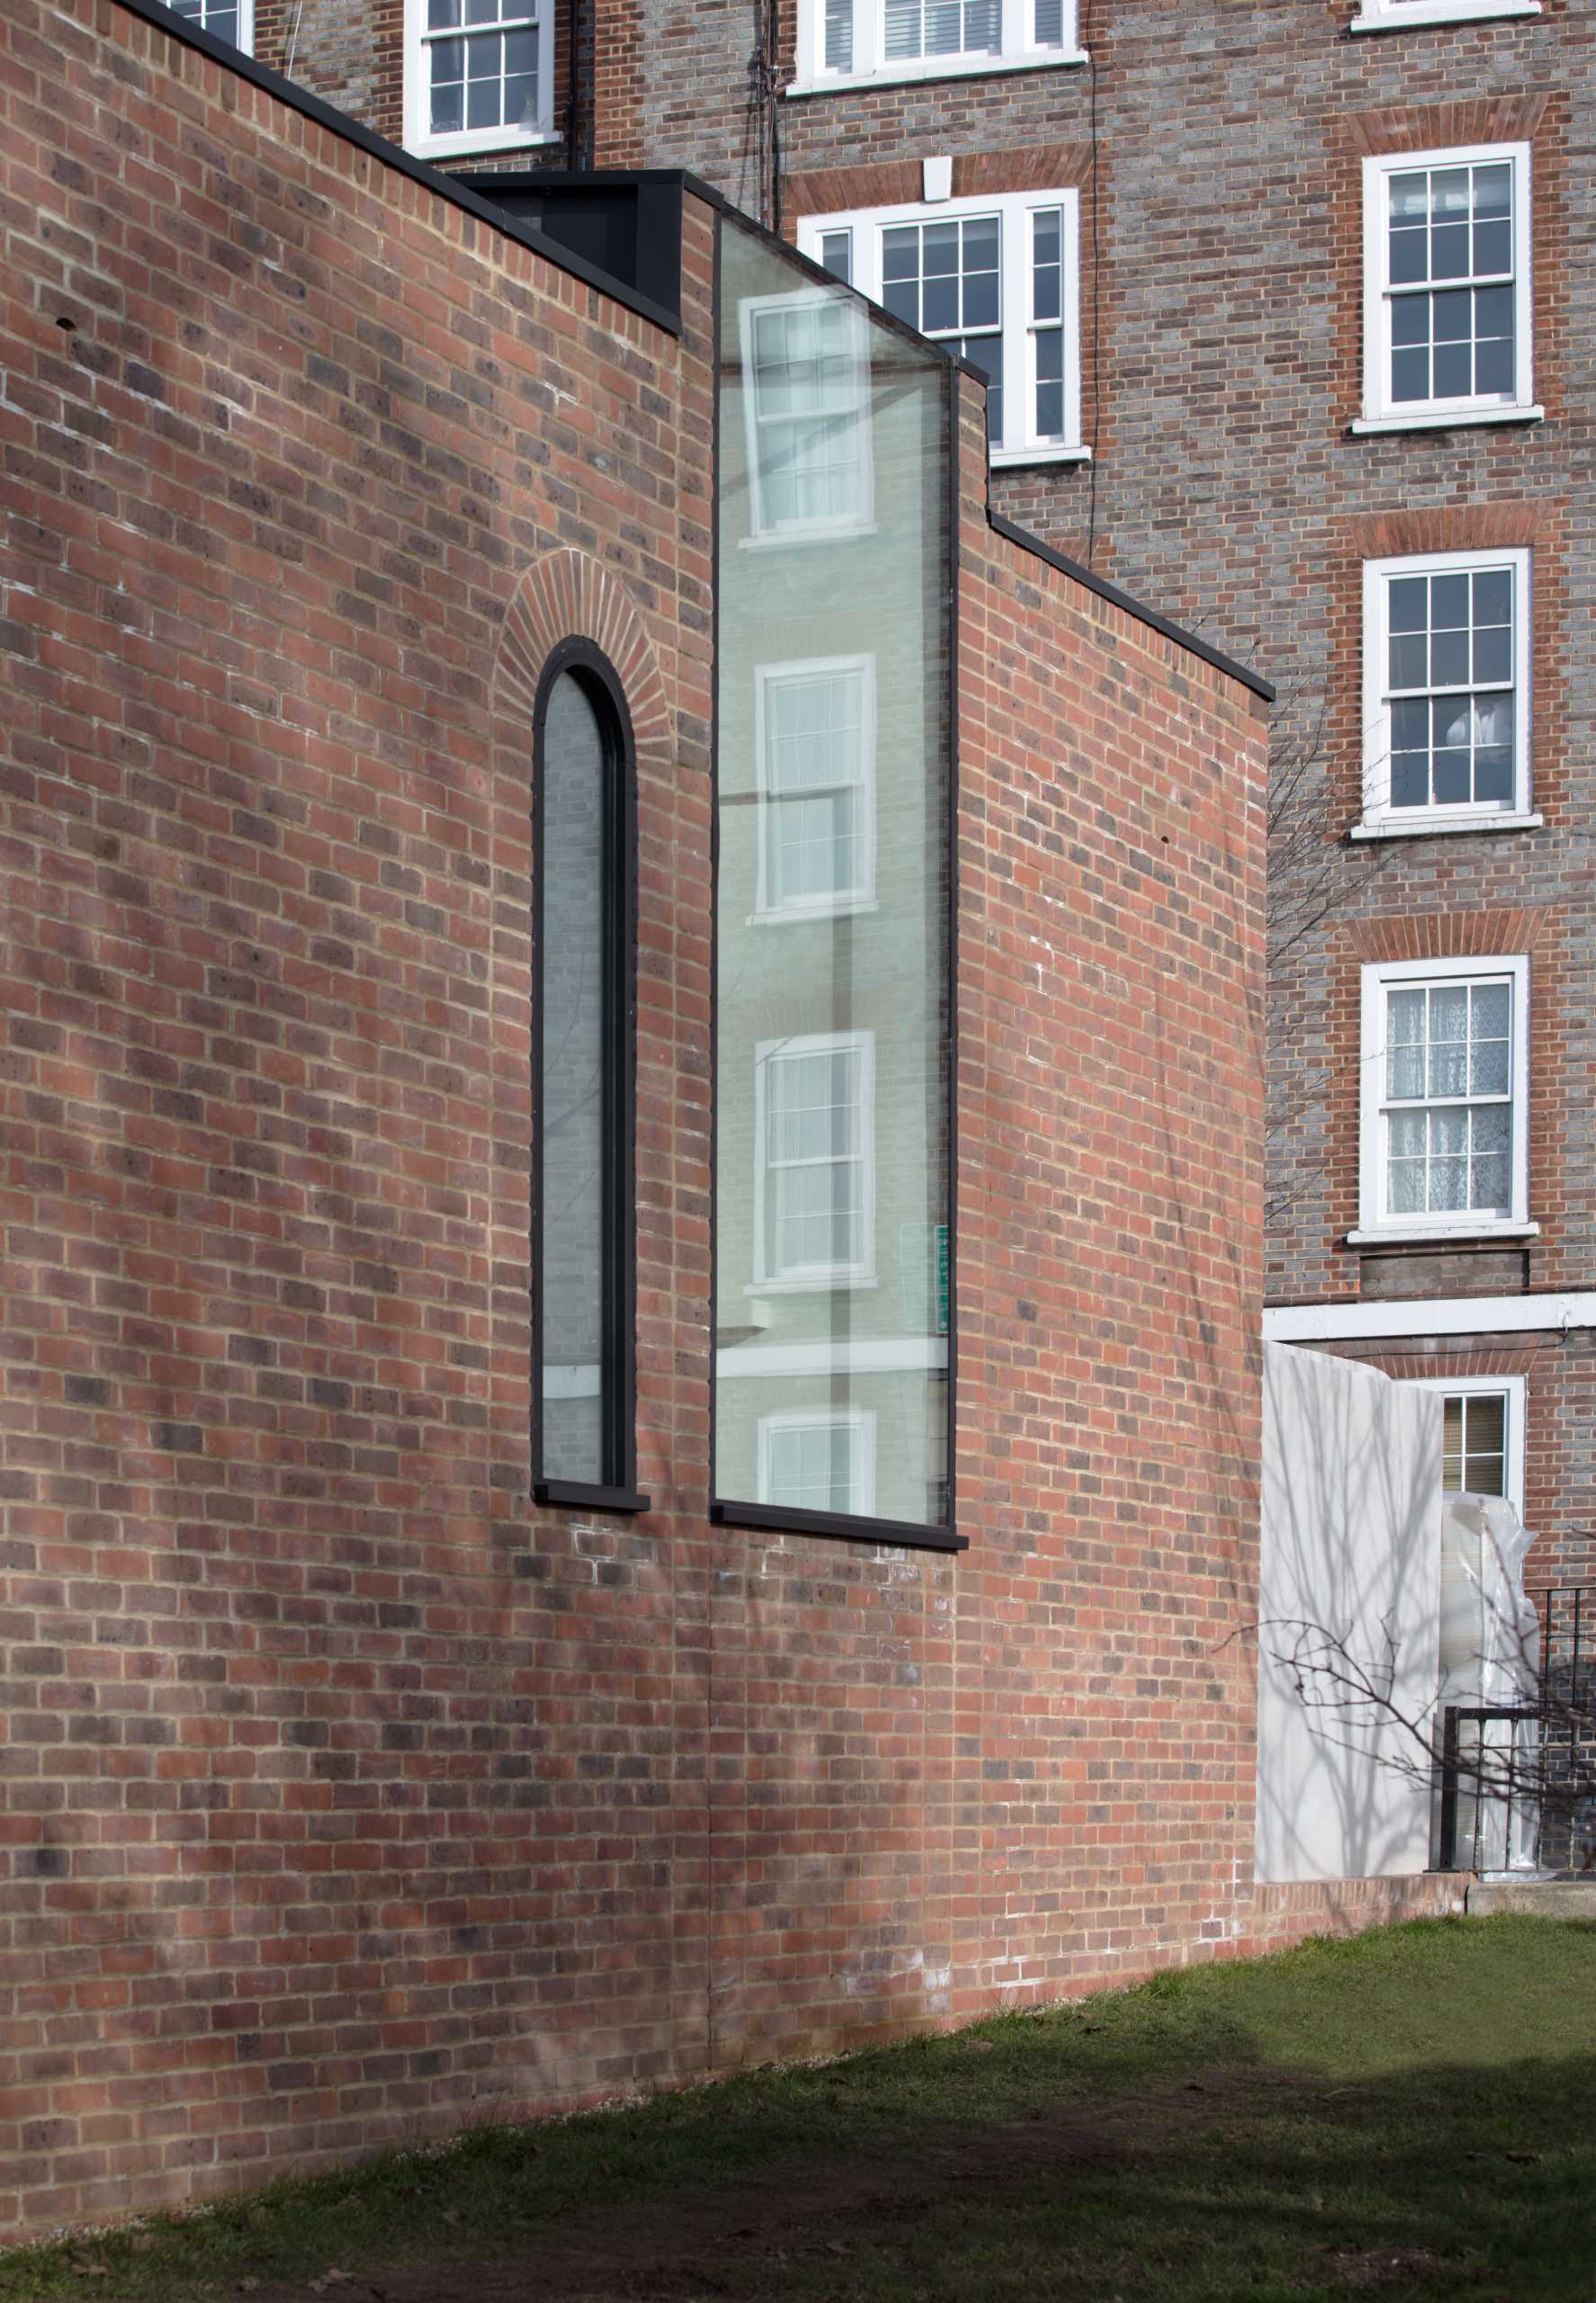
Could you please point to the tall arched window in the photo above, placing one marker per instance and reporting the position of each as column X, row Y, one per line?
column 583, row 1061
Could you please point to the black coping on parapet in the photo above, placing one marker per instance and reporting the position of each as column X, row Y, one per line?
column 435, row 179
column 1027, row 541
column 463, row 195
column 627, row 225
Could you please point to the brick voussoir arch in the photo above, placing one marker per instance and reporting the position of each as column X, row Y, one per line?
column 567, row 595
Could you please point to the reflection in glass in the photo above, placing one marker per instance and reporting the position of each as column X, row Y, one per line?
column 573, row 868
column 832, row 983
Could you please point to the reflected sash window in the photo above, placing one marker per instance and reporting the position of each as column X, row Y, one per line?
column 585, row 1025
column 808, row 417
column 820, row 1462
column 817, row 1178
column 816, row 739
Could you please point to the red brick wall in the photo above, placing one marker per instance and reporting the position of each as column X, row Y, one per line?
column 346, row 1795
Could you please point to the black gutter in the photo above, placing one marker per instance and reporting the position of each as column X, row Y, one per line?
column 1221, row 662
column 434, row 180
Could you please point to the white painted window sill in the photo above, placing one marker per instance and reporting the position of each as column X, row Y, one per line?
column 1401, row 18
column 935, row 68
column 475, row 143
column 1406, row 1237
column 1007, row 459
column 1433, row 826
column 1446, row 420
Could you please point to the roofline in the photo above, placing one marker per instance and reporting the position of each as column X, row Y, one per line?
column 392, row 155
column 459, row 195
column 1027, row 541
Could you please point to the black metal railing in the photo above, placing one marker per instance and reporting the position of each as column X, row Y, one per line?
column 1517, row 1782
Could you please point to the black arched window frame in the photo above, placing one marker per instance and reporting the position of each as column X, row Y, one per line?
column 600, row 683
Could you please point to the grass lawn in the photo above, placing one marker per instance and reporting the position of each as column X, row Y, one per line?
column 1411, row 2113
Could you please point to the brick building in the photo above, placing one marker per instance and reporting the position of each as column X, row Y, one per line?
column 1189, row 237
column 630, row 1112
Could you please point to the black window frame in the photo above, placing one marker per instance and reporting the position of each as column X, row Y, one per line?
column 585, row 662
column 781, row 1518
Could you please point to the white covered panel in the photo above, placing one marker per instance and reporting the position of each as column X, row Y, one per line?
column 1348, row 1619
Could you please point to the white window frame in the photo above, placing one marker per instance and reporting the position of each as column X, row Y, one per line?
column 1014, row 210
column 771, row 906
column 859, row 1421
column 1397, row 15
column 812, row 1278
column 1515, row 1390
column 1376, row 1223
column 873, row 68
column 1379, row 814
column 1381, row 412
column 244, row 43
column 419, row 137
column 861, row 519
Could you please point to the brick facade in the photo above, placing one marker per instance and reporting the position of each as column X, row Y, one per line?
column 350, row 1795
column 1219, row 151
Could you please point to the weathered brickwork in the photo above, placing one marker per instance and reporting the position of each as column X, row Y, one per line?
column 348, row 1795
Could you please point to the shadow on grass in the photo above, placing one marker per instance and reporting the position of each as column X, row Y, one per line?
column 1411, row 2115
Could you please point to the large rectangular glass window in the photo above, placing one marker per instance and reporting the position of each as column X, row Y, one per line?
column 833, row 977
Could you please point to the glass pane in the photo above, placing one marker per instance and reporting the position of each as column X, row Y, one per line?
column 831, row 1085
column 839, row 35
column 572, row 1117
column 1409, row 376
column 448, row 95
column 1493, row 1011
column 1494, row 653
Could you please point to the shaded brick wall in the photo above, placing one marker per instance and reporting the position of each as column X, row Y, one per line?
column 347, row 1795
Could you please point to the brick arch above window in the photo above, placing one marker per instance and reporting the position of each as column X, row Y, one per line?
column 567, row 595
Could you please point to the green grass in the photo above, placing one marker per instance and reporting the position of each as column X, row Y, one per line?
column 1409, row 2113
